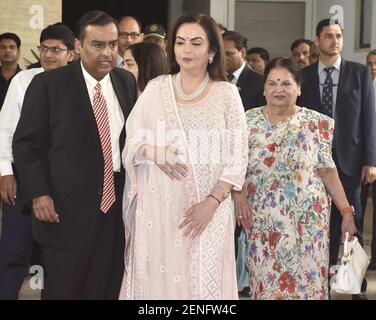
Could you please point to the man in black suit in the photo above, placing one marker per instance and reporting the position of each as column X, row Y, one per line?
column 344, row 91
column 251, row 87
column 249, row 82
column 67, row 149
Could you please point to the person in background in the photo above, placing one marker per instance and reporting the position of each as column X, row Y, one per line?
column 186, row 149
column 371, row 62
column 314, row 53
column 146, row 61
column 300, row 51
column 258, row 58
column 16, row 245
column 249, row 82
column 130, row 32
column 10, row 50
column 343, row 90
column 156, row 33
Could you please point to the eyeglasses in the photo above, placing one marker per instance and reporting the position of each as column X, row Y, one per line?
column 315, row 54
column 54, row 50
column 133, row 35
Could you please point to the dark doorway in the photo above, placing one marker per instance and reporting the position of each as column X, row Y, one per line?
column 145, row 10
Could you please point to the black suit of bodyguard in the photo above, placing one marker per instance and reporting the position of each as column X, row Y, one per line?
column 354, row 112
column 58, row 155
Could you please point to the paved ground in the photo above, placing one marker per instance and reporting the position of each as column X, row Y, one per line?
column 29, row 294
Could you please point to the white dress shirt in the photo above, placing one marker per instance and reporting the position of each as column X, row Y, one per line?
column 335, row 78
column 237, row 74
column 119, row 62
column 10, row 115
column 115, row 114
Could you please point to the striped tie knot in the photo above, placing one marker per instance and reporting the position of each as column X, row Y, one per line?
column 98, row 88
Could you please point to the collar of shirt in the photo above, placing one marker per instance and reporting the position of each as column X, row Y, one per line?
column 92, row 82
column 237, row 73
column 17, row 70
column 336, row 65
column 119, row 62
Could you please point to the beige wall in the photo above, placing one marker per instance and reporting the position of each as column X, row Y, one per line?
column 27, row 18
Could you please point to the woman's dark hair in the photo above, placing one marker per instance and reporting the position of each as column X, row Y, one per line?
column 285, row 63
column 151, row 62
column 216, row 69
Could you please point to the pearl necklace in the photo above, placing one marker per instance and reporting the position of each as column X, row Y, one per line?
column 196, row 93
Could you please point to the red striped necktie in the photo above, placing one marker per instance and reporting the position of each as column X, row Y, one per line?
column 101, row 117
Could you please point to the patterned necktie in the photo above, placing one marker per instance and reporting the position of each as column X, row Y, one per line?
column 230, row 77
column 327, row 93
column 101, row 117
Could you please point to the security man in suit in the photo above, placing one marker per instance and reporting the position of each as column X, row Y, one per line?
column 344, row 91
column 249, row 82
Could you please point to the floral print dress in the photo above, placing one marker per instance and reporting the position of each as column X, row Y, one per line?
column 289, row 239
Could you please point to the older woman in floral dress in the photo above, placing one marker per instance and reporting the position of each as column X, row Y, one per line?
column 289, row 179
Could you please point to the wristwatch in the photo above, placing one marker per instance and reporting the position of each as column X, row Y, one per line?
column 225, row 192
column 347, row 210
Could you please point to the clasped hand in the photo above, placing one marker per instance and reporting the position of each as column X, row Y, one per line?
column 167, row 159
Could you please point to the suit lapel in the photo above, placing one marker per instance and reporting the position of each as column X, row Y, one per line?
column 316, row 86
column 343, row 77
column 86, row 104
column 242, row 76
column 120, row 94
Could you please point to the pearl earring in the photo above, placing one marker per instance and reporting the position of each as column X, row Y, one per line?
column 211, row 60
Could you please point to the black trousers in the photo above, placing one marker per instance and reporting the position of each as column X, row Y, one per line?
column 91, row 273
column 16, row 246
column 365, row 189
column 353, row 188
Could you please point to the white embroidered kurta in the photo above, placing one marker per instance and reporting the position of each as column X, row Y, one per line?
column 159, row 262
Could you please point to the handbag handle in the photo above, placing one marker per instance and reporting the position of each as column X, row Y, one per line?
column 347, row 246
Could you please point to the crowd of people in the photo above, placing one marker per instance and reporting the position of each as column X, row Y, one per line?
column 139, row 166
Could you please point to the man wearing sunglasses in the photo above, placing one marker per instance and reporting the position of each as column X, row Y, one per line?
column 56, row 50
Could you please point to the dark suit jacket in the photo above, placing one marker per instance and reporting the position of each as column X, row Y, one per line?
column 251, row 88
column 57, row 151
column 355, row 114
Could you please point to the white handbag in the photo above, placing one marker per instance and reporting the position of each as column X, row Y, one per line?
column 350, row 273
